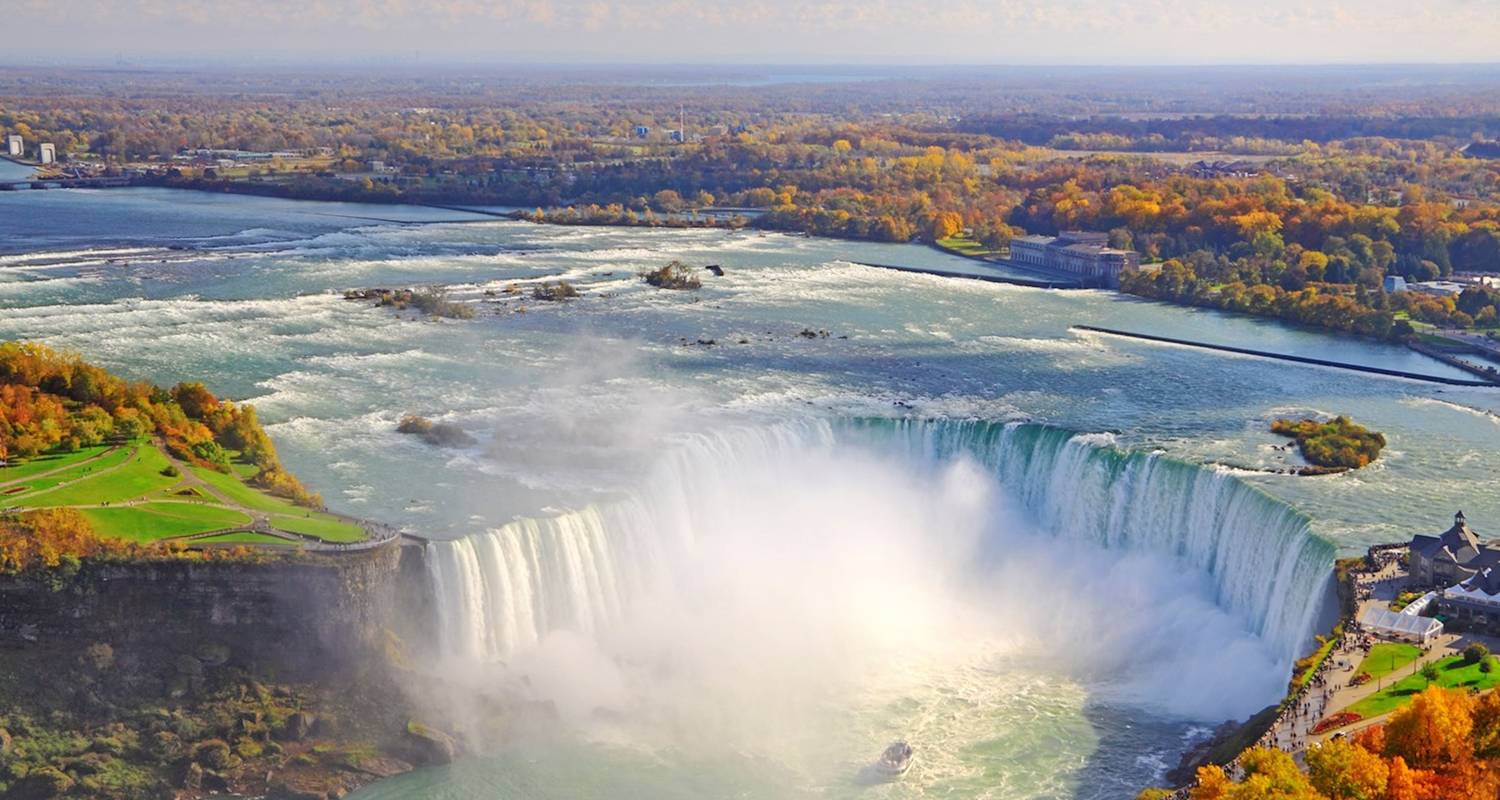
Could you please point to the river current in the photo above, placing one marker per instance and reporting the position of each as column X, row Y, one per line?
column 742, row 537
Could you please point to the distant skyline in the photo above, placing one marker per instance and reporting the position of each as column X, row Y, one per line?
column 755, row 31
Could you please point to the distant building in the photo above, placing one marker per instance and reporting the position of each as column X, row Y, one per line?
column 1394, row 283
column 15, row 146
column 1489, row 280
column 1436, row 288
column 1082, row 253
column 1224, row 169
column 1482, row 149
column 1454, row 555
column 642, row 131
column 46, row 153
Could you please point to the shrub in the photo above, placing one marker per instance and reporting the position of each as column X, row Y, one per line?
column 675, row 275
column 435, row 301
column 411, row 423
column 1475, row 653
column 1430, row 672
column 215, row 754
column 552, row 291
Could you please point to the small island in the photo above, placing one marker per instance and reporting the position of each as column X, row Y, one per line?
column 432, row 301
column 675, row 275
column 1335, row 445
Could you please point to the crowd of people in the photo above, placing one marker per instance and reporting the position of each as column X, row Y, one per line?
column 1303, row 708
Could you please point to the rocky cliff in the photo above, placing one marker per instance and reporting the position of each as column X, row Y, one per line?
column 183, row 678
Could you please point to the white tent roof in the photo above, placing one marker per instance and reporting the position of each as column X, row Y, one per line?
column 1381, row 619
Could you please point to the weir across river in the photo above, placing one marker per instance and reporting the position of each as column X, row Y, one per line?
column 1321, row 362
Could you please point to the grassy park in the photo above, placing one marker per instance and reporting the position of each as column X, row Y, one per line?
column 135, row 492
column 1388, row 657
column 966, row 246
column 1453, row 673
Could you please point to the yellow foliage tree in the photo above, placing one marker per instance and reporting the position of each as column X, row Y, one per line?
column 1344, row 771
column 1433, row 731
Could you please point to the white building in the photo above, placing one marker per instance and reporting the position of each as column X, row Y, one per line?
column 1405, row 627
column 1436, row 288
column 15, row 145
column 46, row 153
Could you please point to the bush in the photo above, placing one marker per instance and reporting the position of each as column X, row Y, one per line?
column 675, row 275
column 411, row 423
column 435, row 301
column 1430, row 672
column 1475, row 653
column 552, row 291
column 215, row 754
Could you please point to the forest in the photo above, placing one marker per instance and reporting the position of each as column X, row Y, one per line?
column 1356, row 177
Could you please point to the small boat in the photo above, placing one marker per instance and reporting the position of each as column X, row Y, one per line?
column 894, row 762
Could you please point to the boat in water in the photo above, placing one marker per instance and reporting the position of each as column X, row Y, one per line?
column 894, row 762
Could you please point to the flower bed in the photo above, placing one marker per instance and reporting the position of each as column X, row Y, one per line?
column 1338, row 720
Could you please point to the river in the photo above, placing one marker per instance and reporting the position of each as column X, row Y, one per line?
column 740, row 538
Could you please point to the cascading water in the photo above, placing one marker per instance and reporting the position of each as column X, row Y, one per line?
column 504, row 589
column 1267, row 567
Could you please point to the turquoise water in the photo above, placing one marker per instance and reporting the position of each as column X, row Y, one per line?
column 571, row 404
column 11, row 171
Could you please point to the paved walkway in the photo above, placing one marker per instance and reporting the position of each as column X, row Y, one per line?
column 1334, row 692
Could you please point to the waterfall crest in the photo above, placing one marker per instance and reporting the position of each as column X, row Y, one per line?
column 501, row 590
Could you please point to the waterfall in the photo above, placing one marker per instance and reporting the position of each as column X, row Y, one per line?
column 502, row 589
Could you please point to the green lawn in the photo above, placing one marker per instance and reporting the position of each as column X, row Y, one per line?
column 45, row 462
column 74, row 472
column 164, row 507
column 190, row 493
column 150, row 522
column 1387, row 657
column 140, row 475
column 1452, row 672
column 247, row 496
column 323, row 526
column 247, row 537
column 965, row 246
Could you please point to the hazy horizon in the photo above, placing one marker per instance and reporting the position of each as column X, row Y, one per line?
column 755, row 32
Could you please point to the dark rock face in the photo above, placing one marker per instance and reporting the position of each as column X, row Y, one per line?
column 302, row 618
column 429, row 746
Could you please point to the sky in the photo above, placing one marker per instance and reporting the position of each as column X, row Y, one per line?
column 756, row 31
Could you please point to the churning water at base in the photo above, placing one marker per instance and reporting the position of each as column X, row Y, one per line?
column 1042, row 614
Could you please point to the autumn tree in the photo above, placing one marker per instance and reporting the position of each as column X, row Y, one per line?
column 1433, row 730
column 1342, row 770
